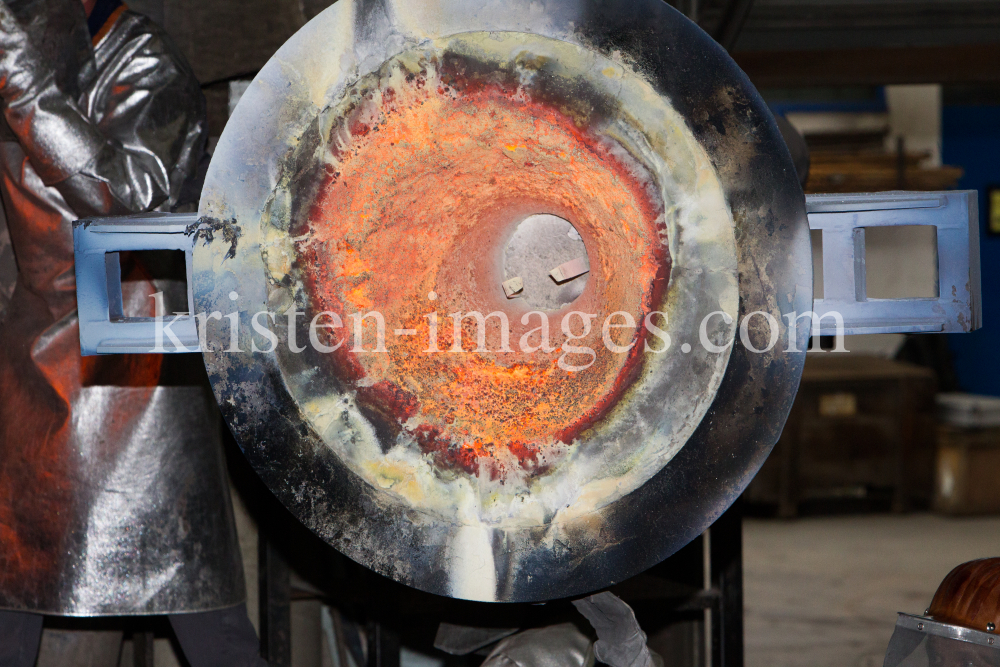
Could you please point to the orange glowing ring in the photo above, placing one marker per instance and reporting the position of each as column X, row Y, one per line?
column 432, row 172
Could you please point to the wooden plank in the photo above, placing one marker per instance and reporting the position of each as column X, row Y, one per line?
column 866, row 178
column 834, row 367
column 972, row 63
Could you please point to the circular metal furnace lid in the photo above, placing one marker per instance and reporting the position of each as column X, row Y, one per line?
column 381, row 161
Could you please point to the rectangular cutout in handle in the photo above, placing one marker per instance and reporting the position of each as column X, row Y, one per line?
column 104, row 327
column 901, row 262
column 113, row 276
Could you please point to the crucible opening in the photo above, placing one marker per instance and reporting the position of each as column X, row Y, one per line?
column 545, row 263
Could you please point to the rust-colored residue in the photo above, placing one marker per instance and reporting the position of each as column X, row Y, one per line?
column 429, row 181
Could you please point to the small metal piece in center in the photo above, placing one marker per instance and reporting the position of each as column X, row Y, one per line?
column 571, row 269
column 513, row 287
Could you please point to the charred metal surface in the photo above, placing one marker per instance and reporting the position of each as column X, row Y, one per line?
column 207, row 227
column 339, row 439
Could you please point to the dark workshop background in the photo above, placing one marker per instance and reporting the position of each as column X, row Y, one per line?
column 873, row 493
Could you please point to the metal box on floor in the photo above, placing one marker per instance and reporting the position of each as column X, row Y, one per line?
column 968, row 467
column 968, row 455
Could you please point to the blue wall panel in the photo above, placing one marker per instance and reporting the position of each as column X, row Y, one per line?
column 970, row 137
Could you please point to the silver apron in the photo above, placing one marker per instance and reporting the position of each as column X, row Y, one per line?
column 113, row 494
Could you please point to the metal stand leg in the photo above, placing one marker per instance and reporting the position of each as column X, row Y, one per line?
column 275, row 606
column 787, row 449
column 142, row 649
column 906, row 412
column 726, row 555
column 383, row 646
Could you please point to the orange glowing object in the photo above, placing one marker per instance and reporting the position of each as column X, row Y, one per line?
column 422, row 199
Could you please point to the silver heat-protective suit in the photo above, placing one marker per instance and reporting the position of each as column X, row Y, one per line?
column 113, row 494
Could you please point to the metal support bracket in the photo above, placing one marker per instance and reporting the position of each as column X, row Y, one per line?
column 843, row 219
column 104, row 329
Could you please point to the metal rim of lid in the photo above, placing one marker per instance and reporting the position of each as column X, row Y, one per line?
column 929, row 626
column 727, row 117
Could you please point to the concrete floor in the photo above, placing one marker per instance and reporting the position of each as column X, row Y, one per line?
column 819, row 592
column 824, row 592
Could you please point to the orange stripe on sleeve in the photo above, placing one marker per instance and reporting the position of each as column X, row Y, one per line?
column 106, row 28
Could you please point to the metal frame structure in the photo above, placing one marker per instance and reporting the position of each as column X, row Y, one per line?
column 842, row 218
column 714, row 560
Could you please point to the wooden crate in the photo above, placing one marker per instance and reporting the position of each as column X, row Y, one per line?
column 968, row 468
column 860, row 426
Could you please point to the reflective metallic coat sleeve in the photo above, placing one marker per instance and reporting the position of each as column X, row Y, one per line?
column 113, row 494
column 117, row 149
